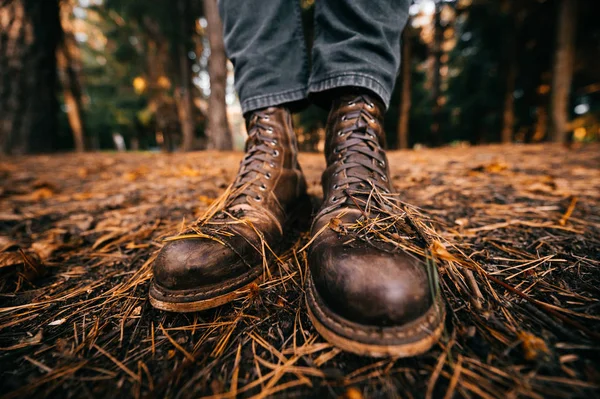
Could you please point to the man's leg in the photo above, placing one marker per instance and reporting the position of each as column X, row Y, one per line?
column 265, row 43
column 213, row 261
column 370, row 291
column 357, row 43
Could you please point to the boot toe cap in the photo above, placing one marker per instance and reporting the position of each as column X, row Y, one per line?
column 194, row 262
column 368, row 286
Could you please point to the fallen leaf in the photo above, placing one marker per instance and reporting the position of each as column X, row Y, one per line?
column 462, row 221
column 206, row 200
column 188, row 171
column 493, row 167
column 353, row 393
column 136, row 174
column 439, row 251
column 37, row 195
column 44, row 249
column 36, row 339
column 6, row 243
column 533, row 347
column 8, row 259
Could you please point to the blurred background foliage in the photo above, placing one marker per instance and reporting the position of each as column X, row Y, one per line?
column 141, row 75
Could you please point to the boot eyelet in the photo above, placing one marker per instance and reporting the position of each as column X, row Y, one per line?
column 270, row 130
column 382, row 163
column 370, row 105
column 268, row 175
column 272, row 164
column 275, row 153
column 343, row 118
column 384, row 178
column 336, row 150
column 335, row 186
column 257, row 198
column 266, row 118
column 274, row 142
column 340, row 133
column 334, row 199
column 263, row 187
column 371, row 136
column 351, row 103
column 373, row 120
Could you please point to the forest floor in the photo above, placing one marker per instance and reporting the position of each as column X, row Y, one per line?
column 517, row 233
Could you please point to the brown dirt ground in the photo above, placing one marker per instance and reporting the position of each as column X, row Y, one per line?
column 517, row 233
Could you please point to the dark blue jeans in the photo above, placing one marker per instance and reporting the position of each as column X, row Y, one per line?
column 357, row 44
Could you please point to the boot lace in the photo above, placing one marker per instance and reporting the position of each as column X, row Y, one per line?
column 260, row 149
column 359, row 152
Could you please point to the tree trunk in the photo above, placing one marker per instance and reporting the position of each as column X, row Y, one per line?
column 405, row 99
column 563, row 69
column 541, row 124
column 437, row 79
column 155, row 69
column 155, row 57
column 69, row 67
column 72, row 105
column 508, row 115
column 184, row 103
column 510, row 75
column 217, row 126
column 29, row 35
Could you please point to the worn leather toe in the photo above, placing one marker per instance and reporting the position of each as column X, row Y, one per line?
column 196, row 262
column 368, row 286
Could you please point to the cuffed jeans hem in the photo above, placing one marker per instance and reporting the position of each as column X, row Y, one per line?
column 351, row 79
column 270, row 100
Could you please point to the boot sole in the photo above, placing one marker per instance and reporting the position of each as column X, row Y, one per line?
column 411, row 339
column 194, row 300
column 185, row 302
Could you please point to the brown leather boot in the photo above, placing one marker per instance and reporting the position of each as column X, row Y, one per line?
column 214, row 261
column 367, row 294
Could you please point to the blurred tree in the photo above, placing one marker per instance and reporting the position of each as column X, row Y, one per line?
column 405, row 87
column 508, row 66
column 115, row 56
column 184, row 95
column 533, row 56
column 563, row 69
column 436, row 91
column 478, row 96
column 29, row 36
column 217, row 127
column 160, row 103
column 69, row 70
column 163, row 34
